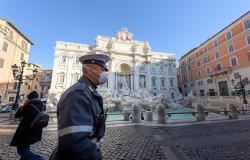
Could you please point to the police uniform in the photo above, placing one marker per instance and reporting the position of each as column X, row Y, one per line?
column 81, row 119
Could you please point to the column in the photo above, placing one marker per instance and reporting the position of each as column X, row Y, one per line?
column 116, row 87
column 110, row 76
column 148, row 81
column 136, row 77
column 113, row 80
column 132, row 82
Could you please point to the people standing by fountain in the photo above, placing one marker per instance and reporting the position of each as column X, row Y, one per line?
column 81, row 118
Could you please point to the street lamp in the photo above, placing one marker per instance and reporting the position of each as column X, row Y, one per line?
column 241, row 86
column 18, row 75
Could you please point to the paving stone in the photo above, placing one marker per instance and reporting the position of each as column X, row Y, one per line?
column 213, row 141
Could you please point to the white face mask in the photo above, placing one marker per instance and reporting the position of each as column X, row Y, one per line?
column 103, row 77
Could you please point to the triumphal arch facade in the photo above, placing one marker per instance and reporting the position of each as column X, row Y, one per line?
column 134, row 69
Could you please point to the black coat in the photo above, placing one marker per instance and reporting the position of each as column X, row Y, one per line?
column 24, row 134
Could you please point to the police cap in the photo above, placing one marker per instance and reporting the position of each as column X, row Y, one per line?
column 99, row 59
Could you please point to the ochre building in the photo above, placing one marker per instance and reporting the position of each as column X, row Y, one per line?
column 208, row 69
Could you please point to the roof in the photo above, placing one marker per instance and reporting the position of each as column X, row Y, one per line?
column 216, row 34
column 9, row 23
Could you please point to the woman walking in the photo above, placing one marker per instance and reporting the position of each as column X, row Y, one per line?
column 25, row 135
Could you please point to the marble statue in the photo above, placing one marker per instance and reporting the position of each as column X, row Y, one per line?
column 124, row 35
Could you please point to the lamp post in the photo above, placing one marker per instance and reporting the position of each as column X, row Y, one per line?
column 18, row 75
column 241, row 86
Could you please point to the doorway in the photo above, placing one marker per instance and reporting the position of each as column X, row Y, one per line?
column 223, row 88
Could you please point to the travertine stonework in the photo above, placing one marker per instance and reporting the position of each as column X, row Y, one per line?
column 133, row 69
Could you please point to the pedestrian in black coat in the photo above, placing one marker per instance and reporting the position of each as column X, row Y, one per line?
column 25, row 135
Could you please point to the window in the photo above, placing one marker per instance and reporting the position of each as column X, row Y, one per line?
column 11, row 99
column 161, row 65
column 199, row 73
column 172, row 95
column 77, row 61
column 247, row 24
column 198, row 63
column 218, row 66
column 162, row 82
column 197, row 54
column 208, row 70
column 229, row 35
column 217, row 55
column 15, row 86
column 231, row 48
column 216, row 43
column 192, row 76
column 248, row 39
column 189, row 66
column 209, row 81
column 9, row 32
column 206, row 60
column 24, row 45
column 190, row 59
column 205, row 49
column 237, row 75
column 152, row 67
column 200, row 83
column 35, row 87
column 171, row 83
column 192, row 84
column 248, row 55
column 153, row 81
column 64, row 58
column 5, row 46
column 22, row 57
column 233, row 61
column 170, row 67
column 185, row 85
column 61, row 79
column 1, row 63
column 75, row 78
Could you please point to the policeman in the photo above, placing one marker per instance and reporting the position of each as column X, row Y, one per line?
column 81, row 119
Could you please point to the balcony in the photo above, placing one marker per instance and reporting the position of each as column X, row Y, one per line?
column 220, row 72
column 12, row 91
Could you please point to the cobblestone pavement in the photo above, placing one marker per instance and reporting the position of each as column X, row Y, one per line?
column 228, row 140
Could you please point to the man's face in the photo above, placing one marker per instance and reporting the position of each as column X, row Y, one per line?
column 93, row 72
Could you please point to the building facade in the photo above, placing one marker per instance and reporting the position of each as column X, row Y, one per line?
column 33, row 84
column 209, row 68
column 45, row 83
column 133, row 66
column 14, row 48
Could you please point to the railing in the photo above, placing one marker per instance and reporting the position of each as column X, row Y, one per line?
column 194, row 114
column 191, row 113
column 220, row 71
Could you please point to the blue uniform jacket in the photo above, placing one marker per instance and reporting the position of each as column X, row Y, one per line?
column 75, row 112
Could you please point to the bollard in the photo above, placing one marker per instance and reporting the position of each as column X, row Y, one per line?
column 136, row 115
column 161, row 114
column 126, row 115
column 200, row 112
column 149, row 116
column 232, row 111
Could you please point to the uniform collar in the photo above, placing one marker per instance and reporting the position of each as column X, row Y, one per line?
column 84, row 79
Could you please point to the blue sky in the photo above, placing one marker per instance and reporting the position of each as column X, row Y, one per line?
column 168, row 25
